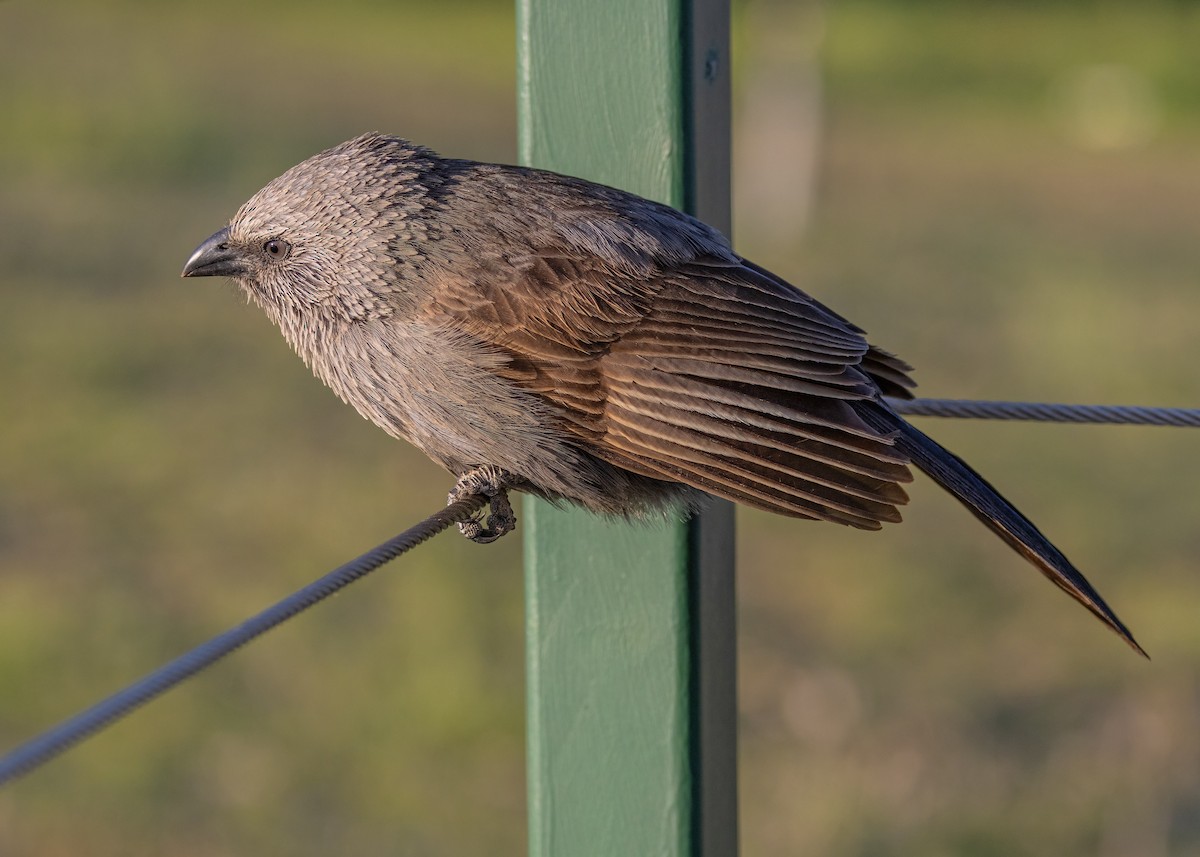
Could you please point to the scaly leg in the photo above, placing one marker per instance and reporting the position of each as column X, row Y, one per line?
column 492, row 482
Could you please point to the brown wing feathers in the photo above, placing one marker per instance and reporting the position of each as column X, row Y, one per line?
column 718, row 376
column 762, row 415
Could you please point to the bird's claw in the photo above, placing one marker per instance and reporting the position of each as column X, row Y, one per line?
column 491, row 482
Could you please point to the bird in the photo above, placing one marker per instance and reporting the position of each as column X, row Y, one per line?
column 538, row 332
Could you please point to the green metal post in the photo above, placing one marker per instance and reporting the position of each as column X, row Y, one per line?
column 632, row 712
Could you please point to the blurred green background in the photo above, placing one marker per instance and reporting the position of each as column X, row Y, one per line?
column 1005, row 194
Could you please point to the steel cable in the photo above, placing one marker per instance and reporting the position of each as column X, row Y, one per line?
column 1047, row 412
column 52, row 742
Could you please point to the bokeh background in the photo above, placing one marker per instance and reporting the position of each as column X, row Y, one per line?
column 1007, row 194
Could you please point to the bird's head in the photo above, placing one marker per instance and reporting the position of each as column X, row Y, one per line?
column 328, row 236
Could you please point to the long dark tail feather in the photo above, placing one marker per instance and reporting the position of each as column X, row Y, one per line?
column 1000, row 516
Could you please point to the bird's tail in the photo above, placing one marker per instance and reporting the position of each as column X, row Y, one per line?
column 1000, row 516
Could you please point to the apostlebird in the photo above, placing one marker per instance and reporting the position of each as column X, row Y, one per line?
column 533, row 331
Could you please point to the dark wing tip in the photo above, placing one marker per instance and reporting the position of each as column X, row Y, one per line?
column 997, row 514
column 1110, row 619
column 1124, row 634
column 1068, row 578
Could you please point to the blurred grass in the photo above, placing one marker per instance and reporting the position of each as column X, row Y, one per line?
column 167, row 466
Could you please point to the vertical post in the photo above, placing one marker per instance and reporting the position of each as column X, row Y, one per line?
column 632, row 711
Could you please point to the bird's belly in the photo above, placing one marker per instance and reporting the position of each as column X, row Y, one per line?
column 438, row 390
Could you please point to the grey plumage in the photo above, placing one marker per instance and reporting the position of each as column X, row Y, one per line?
column 600, row 348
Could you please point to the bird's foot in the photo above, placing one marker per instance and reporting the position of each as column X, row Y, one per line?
column 491, row 482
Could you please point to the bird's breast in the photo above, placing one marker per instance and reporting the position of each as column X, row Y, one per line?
column 440, row 391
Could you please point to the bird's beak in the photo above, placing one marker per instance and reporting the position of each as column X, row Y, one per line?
column 214, row 258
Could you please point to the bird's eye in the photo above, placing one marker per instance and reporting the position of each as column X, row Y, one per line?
column 277, row 247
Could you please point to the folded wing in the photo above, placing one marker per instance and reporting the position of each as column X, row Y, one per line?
column 714, row 374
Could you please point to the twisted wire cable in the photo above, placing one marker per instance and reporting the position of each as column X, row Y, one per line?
column 44, row 747
column 1047, row 412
